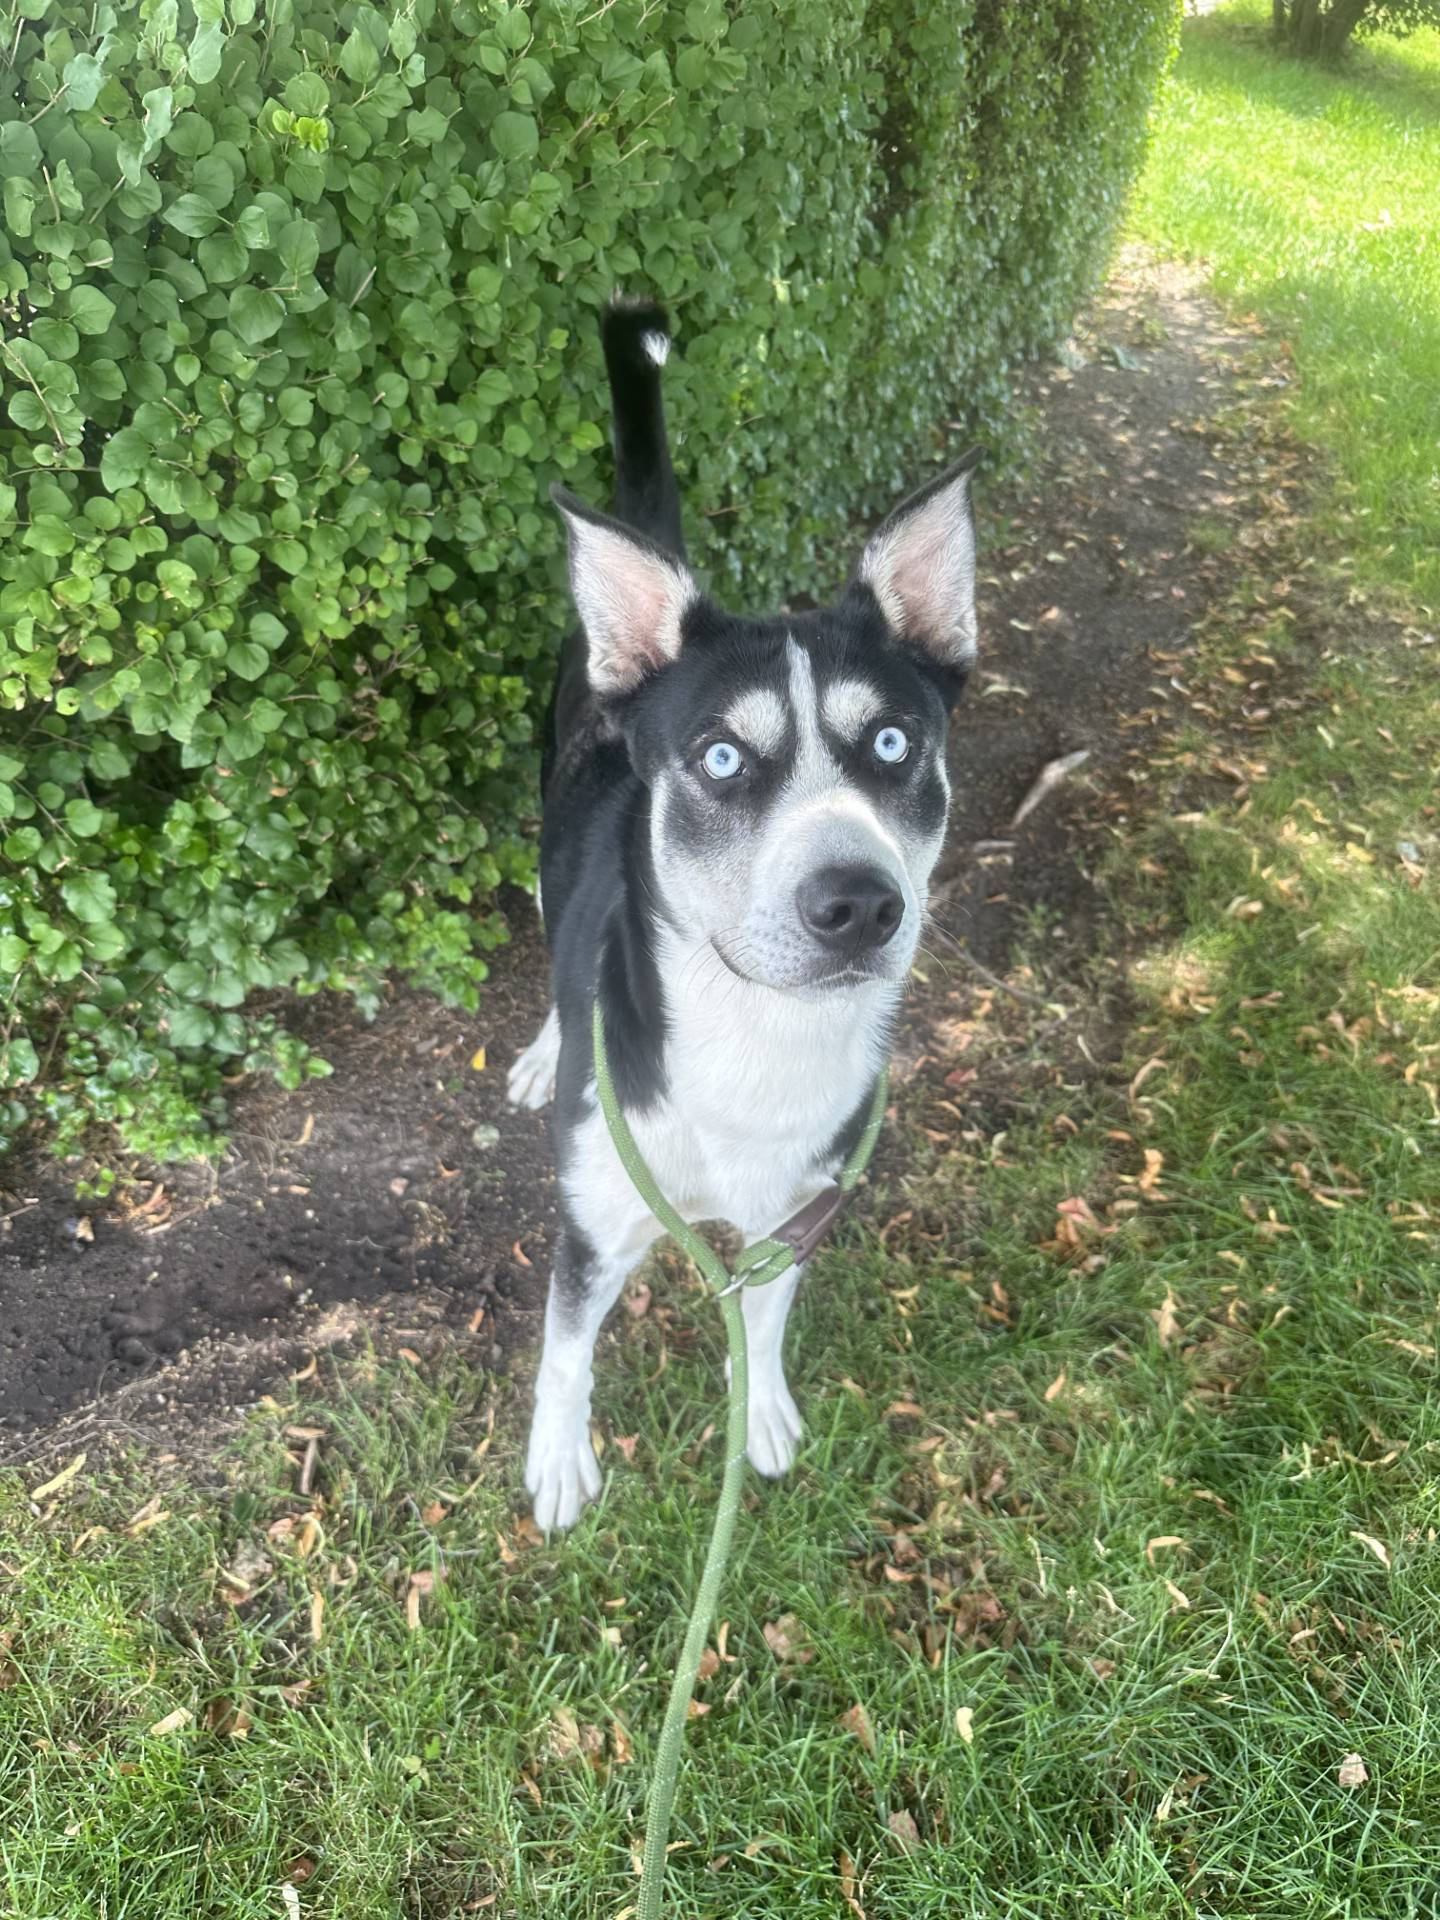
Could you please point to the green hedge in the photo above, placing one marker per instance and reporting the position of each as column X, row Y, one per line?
column 298, row 326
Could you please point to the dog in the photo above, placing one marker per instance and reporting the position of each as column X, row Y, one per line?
column 740, row 821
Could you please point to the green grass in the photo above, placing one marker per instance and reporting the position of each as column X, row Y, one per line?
column 1162, row 1532
column 1311, row 193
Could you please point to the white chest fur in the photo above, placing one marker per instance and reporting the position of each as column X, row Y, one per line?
column 760, row 1083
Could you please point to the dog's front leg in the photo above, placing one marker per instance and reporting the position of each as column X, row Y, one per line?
column 774, row 1427
column 560, row 1470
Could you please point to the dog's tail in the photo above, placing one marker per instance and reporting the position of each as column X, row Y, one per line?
column 636, row 336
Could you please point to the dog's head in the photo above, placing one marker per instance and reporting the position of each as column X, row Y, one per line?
column 796, row 764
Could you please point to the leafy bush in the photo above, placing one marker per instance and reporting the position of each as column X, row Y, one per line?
column 296, row 332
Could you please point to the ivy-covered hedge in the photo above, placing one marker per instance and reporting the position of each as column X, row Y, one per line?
column 298, row 327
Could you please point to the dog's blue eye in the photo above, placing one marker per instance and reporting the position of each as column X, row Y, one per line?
column 891, row 745
column 722, row 761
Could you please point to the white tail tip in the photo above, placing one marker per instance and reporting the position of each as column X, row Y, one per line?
column 657, row 347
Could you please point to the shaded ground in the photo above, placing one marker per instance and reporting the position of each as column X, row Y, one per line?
column 402, row 1198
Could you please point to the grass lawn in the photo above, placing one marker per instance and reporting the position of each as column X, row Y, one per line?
column 1312, row 196
column 1109, row 1582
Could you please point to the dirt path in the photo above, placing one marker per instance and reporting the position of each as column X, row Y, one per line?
column 401, row 1197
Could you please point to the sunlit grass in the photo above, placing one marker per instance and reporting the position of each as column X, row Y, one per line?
column 1311, row 195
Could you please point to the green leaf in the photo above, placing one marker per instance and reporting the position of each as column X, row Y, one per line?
column 19, row 1062
column 109, row 761
column 90, row 897
column 223, row 257
column 193, row 215
column 83, row 76
column 430, row 126
column 298, row 246
column 23, row 845
column 256, row 313
column 265, row 628
column 90, row 310
column 19, row 150
column 359, row 58
column 189, row 1026
column 124, row 458
column 83, row 818
column 19, row 206
column 207, row 48
column 247, row 659
column 692, row 69
column 515, row 135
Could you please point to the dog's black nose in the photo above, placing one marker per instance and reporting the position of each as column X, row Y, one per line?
column 852, row 910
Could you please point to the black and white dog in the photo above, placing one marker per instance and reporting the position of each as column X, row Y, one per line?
column 741, row 819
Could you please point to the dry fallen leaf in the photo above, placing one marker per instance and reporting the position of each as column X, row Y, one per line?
column 477, row 1060
column 1056, row 1387
column 786, row 1639
column 1377, row 1547
column 291, row 1899
column 1167, row 1323
column 1352, row 1771
column 62, row 1479
column 857, row 1721
column 620, row 1743
column 847, row 1885
column 223, row 1717
column 152, row 1514
column 904, row 1829
column 1153, row 1163
column 965, row 1724
column 709, row 1664
column 171, row 1722
column 1161, row 1540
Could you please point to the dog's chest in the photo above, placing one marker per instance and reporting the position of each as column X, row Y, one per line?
column 759, row 1086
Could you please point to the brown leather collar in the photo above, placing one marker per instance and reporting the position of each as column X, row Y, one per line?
column 806, row 1229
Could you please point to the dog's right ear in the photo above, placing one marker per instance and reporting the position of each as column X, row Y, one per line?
column 920, row 565
column 631, row 596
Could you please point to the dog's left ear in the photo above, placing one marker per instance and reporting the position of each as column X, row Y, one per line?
column 630, row 594
column 920, row 565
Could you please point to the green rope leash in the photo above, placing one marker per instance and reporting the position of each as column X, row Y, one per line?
column 759, row 1264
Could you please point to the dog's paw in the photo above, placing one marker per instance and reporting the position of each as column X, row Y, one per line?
column 773, row 1433
column 561, row 1474
column 531, row 1079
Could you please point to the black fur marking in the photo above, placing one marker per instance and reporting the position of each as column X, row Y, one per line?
column 575, row 1261
column 646, row 496
column 848, row 1138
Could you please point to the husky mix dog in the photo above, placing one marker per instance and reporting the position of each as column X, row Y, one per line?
column 741, row 817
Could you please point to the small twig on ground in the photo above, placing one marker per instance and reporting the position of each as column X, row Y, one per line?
column 967, row 959
column 1002, row 986
column 1049, row 778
